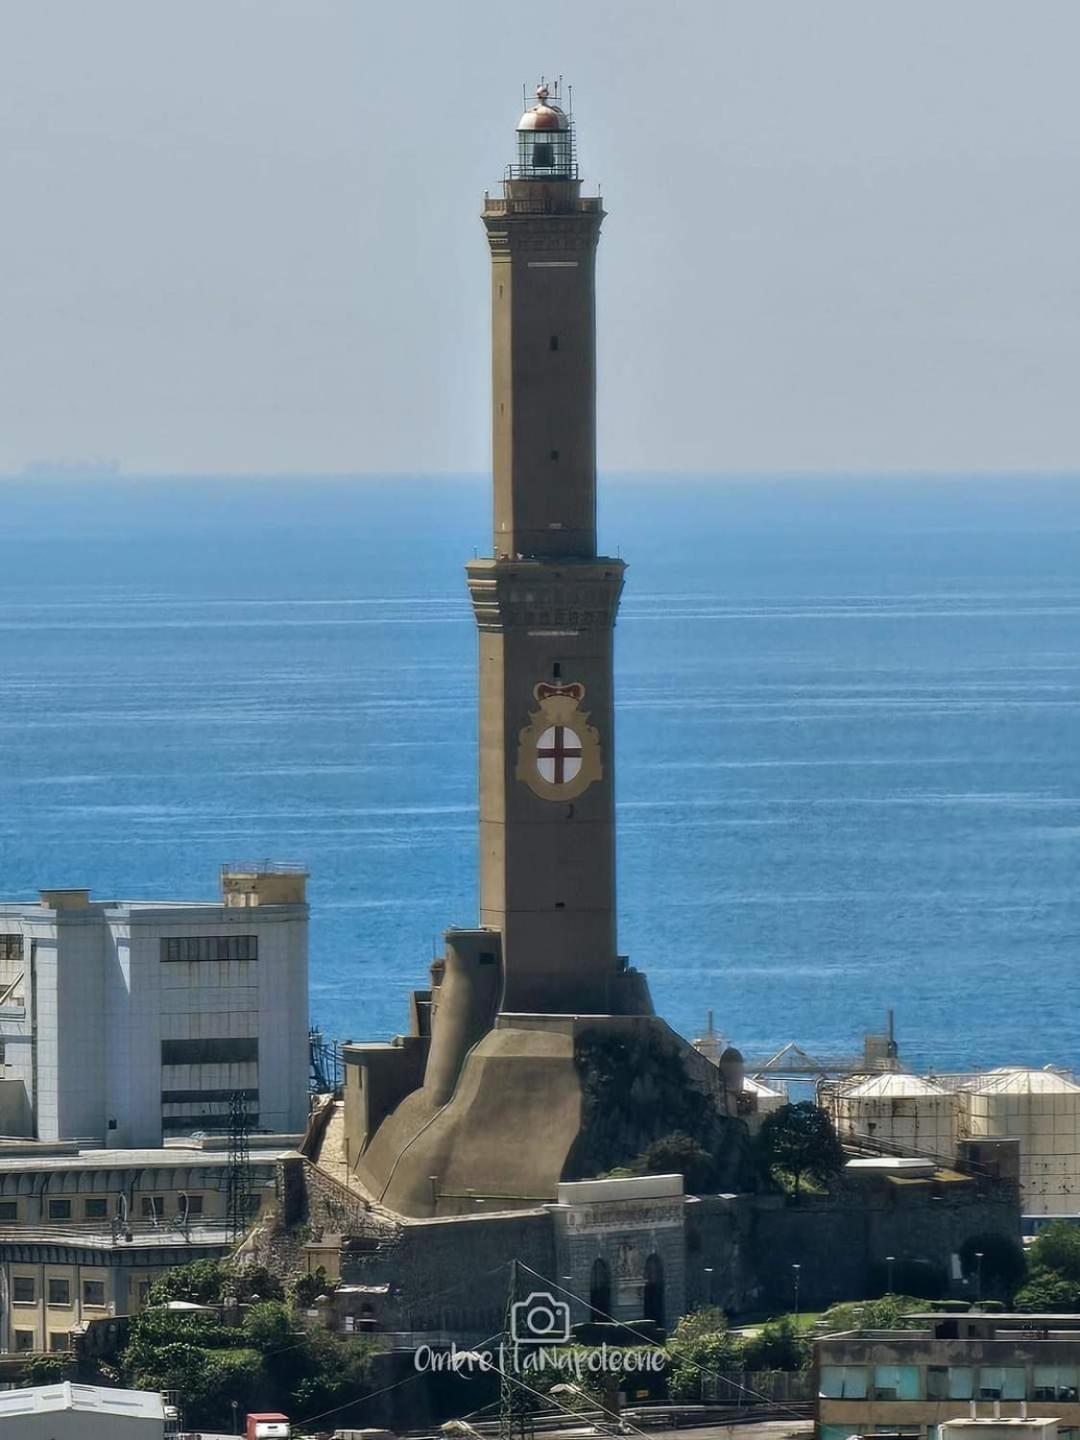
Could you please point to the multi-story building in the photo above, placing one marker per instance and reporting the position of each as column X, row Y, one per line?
column 973, row 1365
column 84, row 1233
column 122, row 1022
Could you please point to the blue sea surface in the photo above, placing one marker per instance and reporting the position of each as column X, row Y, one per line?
column 848, row 738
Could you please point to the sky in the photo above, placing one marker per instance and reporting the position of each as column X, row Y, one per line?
column 242, row 236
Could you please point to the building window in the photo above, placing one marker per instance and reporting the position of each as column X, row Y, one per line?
column 93, row 1292
column 961, row 1382
column 59, row 1209
column 95, row 1209
column 896, row 1382
column 23, row 1290
column 1055, row 1382
column 59, row 1291
column 652, row 1298
column 843, row 1382
column 59, row 1340
column 24, row 1340
column 144, row 1292
column 193, row 1205
column 1002, row 1382
column 152, row 1207
column 553, row 343
column 554, row 454
column 185, row 948
column 11, row 949
column 937, row 1382
column 210, row 1052
column 9, row 1210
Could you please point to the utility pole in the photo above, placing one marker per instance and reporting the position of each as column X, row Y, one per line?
column 238, row 1190
column 515, row 1409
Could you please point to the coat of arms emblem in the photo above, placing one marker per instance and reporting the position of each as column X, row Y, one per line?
column 559, row 751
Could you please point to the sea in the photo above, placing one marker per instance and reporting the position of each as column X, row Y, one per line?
column 848, row 735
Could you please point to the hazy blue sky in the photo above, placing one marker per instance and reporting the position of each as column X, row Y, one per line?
column 242, row 235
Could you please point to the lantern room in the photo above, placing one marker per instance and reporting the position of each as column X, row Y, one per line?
column 545, row 136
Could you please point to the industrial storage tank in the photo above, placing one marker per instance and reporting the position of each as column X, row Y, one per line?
column 906, row 1111
column 1041, row 1109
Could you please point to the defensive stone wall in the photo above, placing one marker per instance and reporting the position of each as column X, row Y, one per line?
column 840, row 1242
column 452, row 1276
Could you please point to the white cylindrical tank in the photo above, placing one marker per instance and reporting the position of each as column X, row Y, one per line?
column 907, row 1111
column 1041, row 1109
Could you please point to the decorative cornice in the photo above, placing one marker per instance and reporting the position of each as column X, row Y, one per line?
column 545, row 594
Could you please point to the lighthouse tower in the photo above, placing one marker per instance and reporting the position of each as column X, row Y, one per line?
column 529, row 1057
column 545, row 602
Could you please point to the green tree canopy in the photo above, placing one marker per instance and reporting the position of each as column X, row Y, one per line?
column 679, row 1154
column 800, row 1140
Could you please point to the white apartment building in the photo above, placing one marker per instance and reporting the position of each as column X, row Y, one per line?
column 123, row 1023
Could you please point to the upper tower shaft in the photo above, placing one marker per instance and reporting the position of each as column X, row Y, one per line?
column 543, row 234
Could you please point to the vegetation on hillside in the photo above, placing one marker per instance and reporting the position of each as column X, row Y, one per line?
column 269, row 1361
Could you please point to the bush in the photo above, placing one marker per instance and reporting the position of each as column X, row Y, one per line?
column 890, row 1312
column 202, row 1281
column 1057, row 1249
column 1046, row 1291
column 777, row 1346
column 679, row 1154
column 45, row 1369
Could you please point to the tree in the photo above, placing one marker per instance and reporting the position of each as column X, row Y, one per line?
column 701, row 1346
column 679, row 1154
column 800, row 1140
column 269, row 1326
column 1057, row 1249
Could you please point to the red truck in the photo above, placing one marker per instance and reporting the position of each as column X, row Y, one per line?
column 268, row 1427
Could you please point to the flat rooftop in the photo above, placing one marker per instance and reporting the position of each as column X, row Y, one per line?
column 16, row 1157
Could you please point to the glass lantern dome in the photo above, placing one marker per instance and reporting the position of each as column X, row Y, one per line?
column 545, row 141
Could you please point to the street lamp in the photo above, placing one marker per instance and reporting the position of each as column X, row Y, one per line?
column 708, row 1282
column 889, row 1261
column 795, row 1274
column 978, row 1276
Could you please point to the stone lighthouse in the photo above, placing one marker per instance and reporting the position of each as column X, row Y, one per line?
column 535, row 1055
column 545, row 603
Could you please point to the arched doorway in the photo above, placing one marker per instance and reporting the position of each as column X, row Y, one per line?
column 652, row 1301
column 600, row 1290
